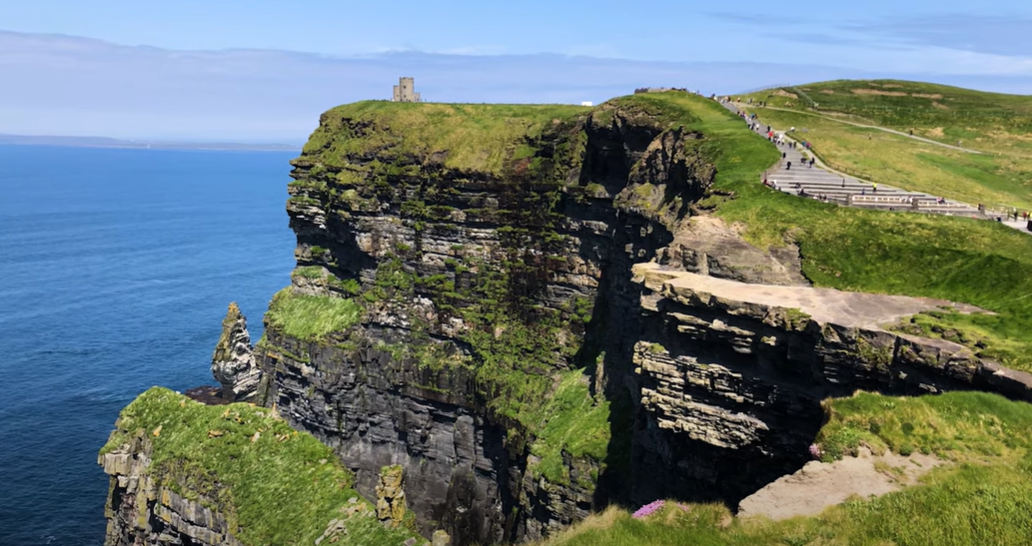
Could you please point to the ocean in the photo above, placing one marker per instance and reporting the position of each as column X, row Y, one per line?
column 116, row 268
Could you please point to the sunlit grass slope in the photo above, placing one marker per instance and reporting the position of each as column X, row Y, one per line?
column 470, row 137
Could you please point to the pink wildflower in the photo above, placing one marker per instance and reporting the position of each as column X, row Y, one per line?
column 815, row 451
column 648, row 509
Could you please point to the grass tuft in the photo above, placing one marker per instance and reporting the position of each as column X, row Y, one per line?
column 572, row 422
column 311, row 318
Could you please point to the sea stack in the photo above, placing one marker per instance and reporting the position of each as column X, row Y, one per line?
column 233, row 362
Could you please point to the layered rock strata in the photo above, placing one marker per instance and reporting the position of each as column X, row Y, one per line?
column 732, row 375
column 140, row 512
column 477, row 286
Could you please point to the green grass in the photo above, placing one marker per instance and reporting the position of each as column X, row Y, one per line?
column 574, row 422
column 310, row 318
column 962, row 426
column 951, row 258
column 983, row 497
column 474, row 137
column 281, row 487
column 982, row 120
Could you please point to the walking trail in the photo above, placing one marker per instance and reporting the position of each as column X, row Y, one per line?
column 886, row 129
column 795, row 176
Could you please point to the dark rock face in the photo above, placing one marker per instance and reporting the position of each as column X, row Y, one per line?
column 376, row 412
column 466, row 466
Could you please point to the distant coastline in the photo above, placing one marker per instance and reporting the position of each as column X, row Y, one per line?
column 105, row 142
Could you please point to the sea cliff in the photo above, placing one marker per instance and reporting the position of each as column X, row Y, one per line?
column 509, row 306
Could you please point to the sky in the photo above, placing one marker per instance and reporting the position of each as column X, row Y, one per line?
column 257, row 70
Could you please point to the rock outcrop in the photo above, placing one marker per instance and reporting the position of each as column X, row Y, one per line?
column 233, row 363
column 185, row 473
column 731, row 375
column 390, row 497
column 141, row 512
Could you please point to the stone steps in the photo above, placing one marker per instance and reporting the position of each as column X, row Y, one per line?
column 816, row 181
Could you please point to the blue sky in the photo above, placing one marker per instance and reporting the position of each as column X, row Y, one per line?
column 196, row 67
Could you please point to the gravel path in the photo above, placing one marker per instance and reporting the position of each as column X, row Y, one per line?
column 820, row 485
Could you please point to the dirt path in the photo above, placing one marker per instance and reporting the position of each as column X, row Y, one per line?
column 886, row 129
column 820, row 485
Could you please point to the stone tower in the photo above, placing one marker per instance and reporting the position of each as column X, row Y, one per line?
column 405, row 91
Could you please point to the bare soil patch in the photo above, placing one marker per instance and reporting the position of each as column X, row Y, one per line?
column 820, row 485
column 828, row 91
column 879, row 92
column 940, row 105
column 783, row 93
column 927, row 95
column 936, row 132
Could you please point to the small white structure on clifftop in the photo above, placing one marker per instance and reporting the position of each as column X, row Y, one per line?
column 405, row 91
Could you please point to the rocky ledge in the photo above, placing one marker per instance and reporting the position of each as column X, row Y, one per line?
column 737, row 372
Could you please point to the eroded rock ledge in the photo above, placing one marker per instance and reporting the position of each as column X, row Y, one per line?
column 735, row 373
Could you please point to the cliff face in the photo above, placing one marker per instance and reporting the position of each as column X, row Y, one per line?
column 477, row 286
column 140, row 511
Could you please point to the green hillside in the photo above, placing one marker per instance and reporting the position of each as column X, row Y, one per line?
column 997, row 125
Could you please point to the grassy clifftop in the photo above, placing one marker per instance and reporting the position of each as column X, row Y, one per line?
column 468, row 137
column 963, row 114
column 274, row 485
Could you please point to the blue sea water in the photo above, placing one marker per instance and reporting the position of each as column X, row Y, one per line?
column 116, row 267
